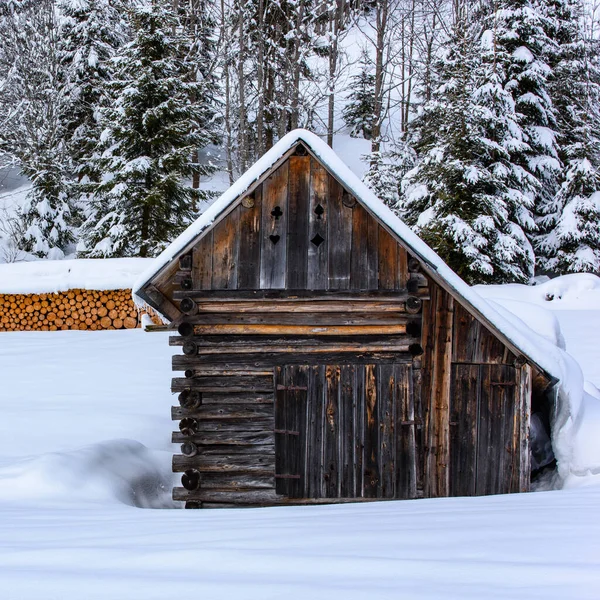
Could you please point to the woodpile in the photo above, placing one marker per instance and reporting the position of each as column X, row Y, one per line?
column 74, row 309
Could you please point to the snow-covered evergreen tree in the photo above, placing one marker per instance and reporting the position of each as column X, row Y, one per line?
column 523, row 46
column 90, row 32
column 570, row 240
column 151, row 129
column 358, row 112
column 31, row 128
column 386, row 171
column 465, row 196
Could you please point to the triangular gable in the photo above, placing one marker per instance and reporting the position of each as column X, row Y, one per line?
column 518, row 341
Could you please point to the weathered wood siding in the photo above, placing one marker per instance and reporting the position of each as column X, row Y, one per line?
column 297, row 230
column 475, row 403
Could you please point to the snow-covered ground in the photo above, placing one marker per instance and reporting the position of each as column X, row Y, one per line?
column 85, row 442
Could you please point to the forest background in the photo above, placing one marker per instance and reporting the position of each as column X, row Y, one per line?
column 483, row 118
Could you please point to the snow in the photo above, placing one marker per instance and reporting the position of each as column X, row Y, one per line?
column 85, row 442
column 552, row 359
column 566, row 311
column 48, row 276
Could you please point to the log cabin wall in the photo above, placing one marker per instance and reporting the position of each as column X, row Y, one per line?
column 321, row 364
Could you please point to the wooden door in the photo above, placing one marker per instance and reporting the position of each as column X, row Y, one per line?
column 345, row 431
column 485, row 430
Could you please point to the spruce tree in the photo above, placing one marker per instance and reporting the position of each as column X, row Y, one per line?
column 150, row 132
column 90, row 32
column 464, row 197
column 358, row 112
column 31, row 128
column 523, row 45
column 570, row 225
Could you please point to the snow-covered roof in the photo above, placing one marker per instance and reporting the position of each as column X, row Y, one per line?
column 541, row 352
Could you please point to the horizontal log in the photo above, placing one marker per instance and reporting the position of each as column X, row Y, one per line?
column 241, row 497
column 215, row 498
column 289, row 295
column 271, row 359
column 227, row 397
column 255, row 463
column 231, row 411
column 342, row 305
column 250, row 342
column 234, row 482
column 325, row 330
column 200, row 370
column 204, row 384
column 227, row 437
column 244, row 449
column 262, row 425
column 296, row 318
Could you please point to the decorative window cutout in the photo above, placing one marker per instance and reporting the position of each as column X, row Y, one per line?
column 276, row 212
column 317, row 240
column 319, row 210
column 274, row 238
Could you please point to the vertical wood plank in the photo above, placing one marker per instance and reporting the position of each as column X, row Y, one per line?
column 371, row 428
column 340, row 237
column 347, row 474
column 226, row 240
column 281, row 455
column 332, row 432
column 386, row 388
column 388, row 261
column 318, row 264
column 417, row 375
column 297, row 235
column 464, row 408
column 359, row 430
column 523, row 421
column 274, row 229
column 318, row 402
column 406, row 469
column 202, row 263
column 438, row 442
column 297, row 422
column 402, row 267
column 250, row 242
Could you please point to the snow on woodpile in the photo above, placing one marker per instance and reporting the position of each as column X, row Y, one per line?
column 49, row 276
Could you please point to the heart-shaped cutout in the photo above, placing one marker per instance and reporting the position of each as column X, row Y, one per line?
column 274, row 238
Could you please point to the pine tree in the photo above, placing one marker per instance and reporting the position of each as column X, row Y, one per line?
column 386, row 171
column 151, row 130
column 90, row 32
column 523, row 45
column 358, row 112
column 31, row 130
column 465, row 196
column 570, row 240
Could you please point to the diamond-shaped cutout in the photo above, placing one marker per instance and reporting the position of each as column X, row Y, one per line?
column 317, row 240
column 319, row 210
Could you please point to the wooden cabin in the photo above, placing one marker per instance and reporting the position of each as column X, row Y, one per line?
column 325, row 354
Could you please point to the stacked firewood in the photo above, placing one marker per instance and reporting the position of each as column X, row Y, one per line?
column 74, row 309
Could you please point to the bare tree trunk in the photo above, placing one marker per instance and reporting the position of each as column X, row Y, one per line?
column 381, row 24
column 260, row 84
column 228, row 136
column 242, row 132
column 337, row 12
